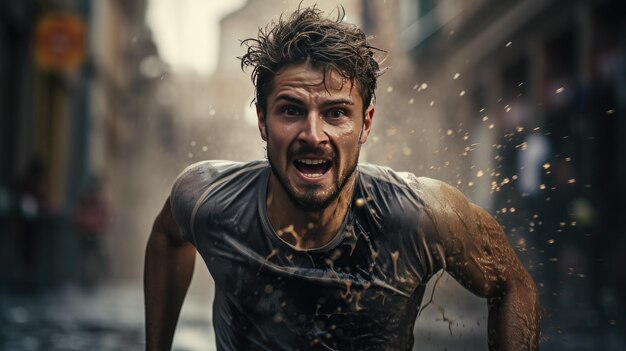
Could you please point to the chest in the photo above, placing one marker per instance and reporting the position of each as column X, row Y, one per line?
column 364, row 289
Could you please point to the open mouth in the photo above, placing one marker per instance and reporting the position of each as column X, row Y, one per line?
column 312, row 168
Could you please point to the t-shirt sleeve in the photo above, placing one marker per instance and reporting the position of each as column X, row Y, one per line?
column 186, row 192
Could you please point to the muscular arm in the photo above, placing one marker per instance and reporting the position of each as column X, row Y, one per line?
column 169, row 264
column 479, row 256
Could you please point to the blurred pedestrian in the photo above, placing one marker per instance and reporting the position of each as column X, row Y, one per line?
column 90, row 223
column 310, row 250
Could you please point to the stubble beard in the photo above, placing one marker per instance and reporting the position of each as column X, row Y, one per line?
column 308, row 201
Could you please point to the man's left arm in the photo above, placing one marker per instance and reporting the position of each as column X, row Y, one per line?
column 478, row 255
column 514, row 312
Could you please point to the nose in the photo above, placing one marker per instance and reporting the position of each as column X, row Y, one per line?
column 312, row 131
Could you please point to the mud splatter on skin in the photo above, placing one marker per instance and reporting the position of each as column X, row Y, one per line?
column 475, row 251
column 290, row 235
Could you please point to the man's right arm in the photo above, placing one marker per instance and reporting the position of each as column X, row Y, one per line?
column 169, row 265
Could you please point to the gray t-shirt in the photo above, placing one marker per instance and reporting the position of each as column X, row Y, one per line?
column 361, row 291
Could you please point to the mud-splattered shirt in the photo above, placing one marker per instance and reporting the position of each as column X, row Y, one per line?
column 361, row 291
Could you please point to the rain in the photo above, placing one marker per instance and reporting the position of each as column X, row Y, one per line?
column 520, row 106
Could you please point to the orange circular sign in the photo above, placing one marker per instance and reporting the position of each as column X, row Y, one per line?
column 60, row 42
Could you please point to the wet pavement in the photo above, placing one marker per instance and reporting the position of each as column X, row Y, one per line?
column 111, row 318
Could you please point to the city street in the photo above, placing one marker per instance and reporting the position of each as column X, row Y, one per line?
column 111, row 318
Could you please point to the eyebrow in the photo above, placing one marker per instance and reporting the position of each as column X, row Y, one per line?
column 297, row 101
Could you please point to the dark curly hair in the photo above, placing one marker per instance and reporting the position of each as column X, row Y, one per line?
column 307, row 36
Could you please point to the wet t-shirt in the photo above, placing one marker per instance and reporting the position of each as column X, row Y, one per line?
column 360, row 291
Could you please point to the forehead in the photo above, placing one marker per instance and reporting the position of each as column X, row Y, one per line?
column 307, row 79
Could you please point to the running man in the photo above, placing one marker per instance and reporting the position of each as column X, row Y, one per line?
column 309, row 249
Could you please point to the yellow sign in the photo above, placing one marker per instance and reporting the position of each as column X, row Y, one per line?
column 60, row 42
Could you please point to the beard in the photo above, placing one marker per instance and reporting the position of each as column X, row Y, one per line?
column 308, row 198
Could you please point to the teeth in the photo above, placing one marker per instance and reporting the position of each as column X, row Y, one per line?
column 312, row 162
column 313, row 175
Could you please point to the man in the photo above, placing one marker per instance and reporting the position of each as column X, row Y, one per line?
column 310, row 250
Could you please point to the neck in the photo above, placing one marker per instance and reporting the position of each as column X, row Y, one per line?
column 306, row 229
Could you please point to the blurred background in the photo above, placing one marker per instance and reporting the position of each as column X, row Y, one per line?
column 520, row 104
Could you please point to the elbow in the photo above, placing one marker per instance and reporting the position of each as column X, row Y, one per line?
column 520, row 288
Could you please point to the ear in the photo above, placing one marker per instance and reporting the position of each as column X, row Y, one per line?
column 261, row 122
column 367, row 123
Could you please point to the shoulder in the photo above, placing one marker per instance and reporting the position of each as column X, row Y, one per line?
column 435, row 191
column 442, row 203
column 195, row 182
column 429, row 190
column 204, row 173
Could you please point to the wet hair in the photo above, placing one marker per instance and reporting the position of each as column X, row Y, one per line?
column 307, row 36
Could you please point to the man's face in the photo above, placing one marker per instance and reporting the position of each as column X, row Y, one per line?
column 313, row 132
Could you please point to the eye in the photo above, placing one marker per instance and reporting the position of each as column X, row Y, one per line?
column 335, row 113
column 291, row 111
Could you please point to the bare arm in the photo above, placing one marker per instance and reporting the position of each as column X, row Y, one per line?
column 479, row 256
column 169, row 265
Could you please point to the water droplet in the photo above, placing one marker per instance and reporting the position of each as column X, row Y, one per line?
column 389, row 89
column 411, row 101
column 508, row 44
column 277, row 318
column 449, row 132
column 559, row 90
column 485, row 118
column 571, row 181
column 479, row 173
column 610, row 112
column 462, row 93
column 432, row 103
column 546, row 165
column 456, row 76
